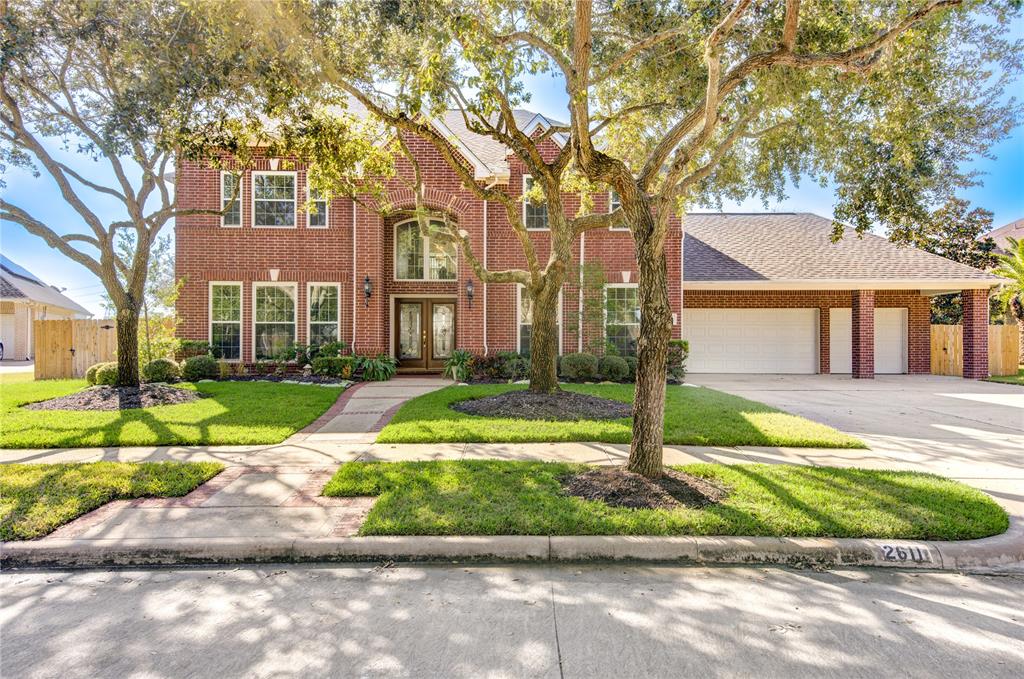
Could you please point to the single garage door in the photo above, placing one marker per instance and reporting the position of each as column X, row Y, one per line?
column 7, row 334
column 890, row 341
column 752, row 340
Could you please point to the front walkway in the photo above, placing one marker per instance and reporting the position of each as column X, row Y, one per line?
column 363, row 409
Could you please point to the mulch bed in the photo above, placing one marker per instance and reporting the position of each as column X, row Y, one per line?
column 561, row 405
column 620, row 488
column 119, row 398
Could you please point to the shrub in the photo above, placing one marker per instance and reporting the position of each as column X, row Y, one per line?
column 579, row 366
column 675, row 361
column 459, row 365
column 102, row 373
column 333, row 366
column 197, row 368
column 613, row 368
column 107, row 374
column 512, row 366
column 327, row 349
column 160, row 370
column 380, row 368
column 188, row 348
column 631, row 364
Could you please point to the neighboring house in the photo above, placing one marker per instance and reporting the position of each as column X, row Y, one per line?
column 1004, row 233
column 24, row 298
column 765, row 293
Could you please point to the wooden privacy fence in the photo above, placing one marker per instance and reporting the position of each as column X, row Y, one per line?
column 948, row 349
column 67, row 348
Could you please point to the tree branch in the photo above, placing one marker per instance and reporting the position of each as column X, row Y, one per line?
column 56, row 241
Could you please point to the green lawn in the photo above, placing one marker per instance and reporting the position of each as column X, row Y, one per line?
column 35, row 499
column 489, row 497
column 693, row 416
column 1010, row 379
column 235, row 413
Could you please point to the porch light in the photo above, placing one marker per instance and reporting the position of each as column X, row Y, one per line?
column 367, row 290
column 469, row 291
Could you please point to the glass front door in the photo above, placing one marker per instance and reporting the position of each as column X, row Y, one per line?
column 424, row 332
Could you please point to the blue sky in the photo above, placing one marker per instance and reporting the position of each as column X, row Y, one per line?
column 1001, row 191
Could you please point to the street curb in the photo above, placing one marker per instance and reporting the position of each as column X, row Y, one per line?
column 1000, row 554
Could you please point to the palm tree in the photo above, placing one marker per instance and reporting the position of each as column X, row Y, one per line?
column 1011, row 294
column 1011, row 267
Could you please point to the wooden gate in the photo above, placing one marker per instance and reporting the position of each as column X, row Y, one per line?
column 948, row 349
column 66, row 349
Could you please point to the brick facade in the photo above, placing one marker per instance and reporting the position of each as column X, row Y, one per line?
column 358, row 242
column 975, row 334
column 863, row 333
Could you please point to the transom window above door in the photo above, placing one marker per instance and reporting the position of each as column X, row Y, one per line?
column 424, row 258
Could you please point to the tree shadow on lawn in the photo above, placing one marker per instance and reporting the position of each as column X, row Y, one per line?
column 225, row 416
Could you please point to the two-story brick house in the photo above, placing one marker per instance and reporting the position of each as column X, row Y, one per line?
column 752, row 293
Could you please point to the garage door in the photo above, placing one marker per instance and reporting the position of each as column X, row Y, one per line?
column 890, row 341
column 752, row 340
column 7, row 334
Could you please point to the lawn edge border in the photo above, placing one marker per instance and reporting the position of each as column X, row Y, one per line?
column 998, row 554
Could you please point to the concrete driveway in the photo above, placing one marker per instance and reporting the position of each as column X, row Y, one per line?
column 964, row 429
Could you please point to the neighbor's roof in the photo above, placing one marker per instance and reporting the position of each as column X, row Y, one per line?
column 17, row 283
column 795, row 251
column 1003, row 234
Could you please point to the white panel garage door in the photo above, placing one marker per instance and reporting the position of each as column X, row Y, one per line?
column 7, row 334
column 752, row 340
column 890, row 341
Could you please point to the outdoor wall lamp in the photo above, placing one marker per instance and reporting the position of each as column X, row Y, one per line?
column 367, row 290
column 469, row 291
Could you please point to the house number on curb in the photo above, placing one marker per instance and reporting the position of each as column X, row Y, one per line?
column 916, row 554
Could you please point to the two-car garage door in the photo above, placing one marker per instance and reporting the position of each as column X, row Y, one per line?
column 752, row 340
column 785, row 341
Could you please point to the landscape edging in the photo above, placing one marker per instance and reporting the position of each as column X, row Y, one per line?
column 1002, row 553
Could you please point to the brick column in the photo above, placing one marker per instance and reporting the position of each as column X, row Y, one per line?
column 863, row 335
column 975, row 334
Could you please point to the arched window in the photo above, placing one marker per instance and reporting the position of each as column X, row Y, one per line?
column 419, row 258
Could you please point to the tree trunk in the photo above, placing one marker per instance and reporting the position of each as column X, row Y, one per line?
column 645, row 453
column 149, row 345
column 128, row 346
column 544, row 340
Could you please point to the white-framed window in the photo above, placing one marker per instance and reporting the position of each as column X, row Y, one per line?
column 226, row 320
column 232, row 215
column 424, row 258
column 614, row 203
column 622, row 317
column 316, row 213
column 324, row 317
column 273, row 200
column 524, row 321
column 273, row 318
column 535, row 215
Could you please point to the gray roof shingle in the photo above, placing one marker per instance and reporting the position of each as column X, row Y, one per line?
column 797, row 246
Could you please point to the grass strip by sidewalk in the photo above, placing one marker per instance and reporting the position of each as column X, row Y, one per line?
column 36, row 499
column 490, row 497
column 693, row 416
column 236, row 413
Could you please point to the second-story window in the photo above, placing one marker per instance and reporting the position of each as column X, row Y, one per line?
column 317, row 215
column 614, row 203
column 232, row 215
column 535, row 215
column 273, row 199
column 418, row 258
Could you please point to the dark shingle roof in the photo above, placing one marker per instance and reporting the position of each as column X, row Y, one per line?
column 8, row 291
column 797, row 246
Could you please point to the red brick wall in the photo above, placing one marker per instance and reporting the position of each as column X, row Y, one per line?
column 975, row 334
column 863, row 333
column 206, row 252
column 918, row 314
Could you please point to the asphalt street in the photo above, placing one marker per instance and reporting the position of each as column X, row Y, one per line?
column 509, row 621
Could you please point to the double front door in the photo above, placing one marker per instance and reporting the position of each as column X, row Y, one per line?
column 424, row 332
